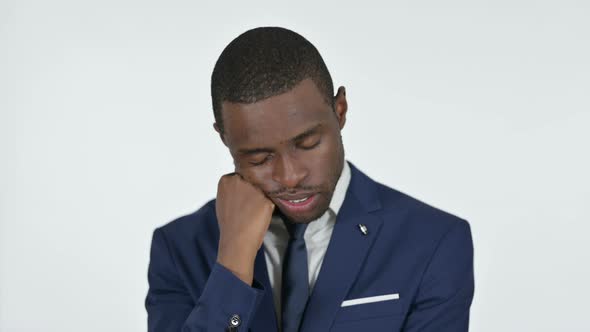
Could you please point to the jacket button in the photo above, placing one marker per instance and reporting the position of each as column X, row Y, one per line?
column 235, row 321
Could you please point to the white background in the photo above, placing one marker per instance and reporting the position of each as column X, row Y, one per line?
column 480, row 108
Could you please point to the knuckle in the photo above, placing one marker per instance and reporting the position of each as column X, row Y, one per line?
column 226, row 178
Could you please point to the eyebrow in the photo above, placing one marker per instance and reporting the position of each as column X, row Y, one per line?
column 298, row 137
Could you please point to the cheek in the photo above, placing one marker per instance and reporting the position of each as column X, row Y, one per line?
column 326, row 156
column 321, row 167
column 260, row 177
column 330, row 162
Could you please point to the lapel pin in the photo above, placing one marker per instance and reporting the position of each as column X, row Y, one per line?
column 363, row 229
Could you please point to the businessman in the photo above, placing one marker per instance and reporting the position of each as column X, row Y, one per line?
column 299, row 239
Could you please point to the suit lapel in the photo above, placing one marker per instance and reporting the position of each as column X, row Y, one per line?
column 265, row 318
column 345, row 254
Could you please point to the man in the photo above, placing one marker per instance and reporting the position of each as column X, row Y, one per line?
column 298, row 239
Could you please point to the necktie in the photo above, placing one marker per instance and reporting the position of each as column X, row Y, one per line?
column 295, row 288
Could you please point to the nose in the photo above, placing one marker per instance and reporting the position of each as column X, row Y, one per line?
column 288, row 172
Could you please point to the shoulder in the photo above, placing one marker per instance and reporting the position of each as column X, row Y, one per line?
column 197, row 226
column 416, row 218
column 403, row 213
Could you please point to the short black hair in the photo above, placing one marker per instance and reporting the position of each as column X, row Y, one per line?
column 265, row 62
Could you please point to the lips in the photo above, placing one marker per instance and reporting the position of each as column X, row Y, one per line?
column 298, row 203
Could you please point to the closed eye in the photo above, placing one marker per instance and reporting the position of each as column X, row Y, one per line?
column 261, row 161
column 310, row 146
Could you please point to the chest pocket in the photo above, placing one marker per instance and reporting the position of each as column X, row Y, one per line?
column 372, row 307
column 374, row 316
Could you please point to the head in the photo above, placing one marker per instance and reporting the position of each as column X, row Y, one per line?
column 275, row 110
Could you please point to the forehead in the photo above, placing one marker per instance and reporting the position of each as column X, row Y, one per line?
column 274, row 120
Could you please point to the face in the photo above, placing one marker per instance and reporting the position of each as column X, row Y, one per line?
column 290, row 147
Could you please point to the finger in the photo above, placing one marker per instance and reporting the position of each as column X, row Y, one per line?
column 245, row 179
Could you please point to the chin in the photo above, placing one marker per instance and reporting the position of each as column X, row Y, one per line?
column 308, row 217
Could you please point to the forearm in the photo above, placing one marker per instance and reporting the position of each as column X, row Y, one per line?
column 224, row 296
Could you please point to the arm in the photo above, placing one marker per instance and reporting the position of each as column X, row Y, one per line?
column 227, row 300
column 446, row 290
column 171, row 308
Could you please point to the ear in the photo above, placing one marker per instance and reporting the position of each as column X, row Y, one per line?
column 341, row 106
column 220, row 132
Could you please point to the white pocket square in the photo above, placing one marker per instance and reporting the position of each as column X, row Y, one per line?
column 371, row 299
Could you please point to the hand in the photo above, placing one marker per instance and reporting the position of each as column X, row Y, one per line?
column 243, row 214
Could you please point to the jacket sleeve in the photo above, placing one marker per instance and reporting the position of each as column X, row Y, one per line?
column 224, row 299
column 446, row 290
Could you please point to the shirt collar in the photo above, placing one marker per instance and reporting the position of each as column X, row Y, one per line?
column 340, row 190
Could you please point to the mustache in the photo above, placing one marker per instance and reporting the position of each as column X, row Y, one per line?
column 295, row 190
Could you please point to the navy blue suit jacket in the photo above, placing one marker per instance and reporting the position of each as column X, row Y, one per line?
column 419, row 253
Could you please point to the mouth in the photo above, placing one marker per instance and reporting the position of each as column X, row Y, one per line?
column 297, row 204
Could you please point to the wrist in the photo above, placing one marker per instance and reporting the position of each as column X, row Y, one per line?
column 242, row 269
column 239, row 261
